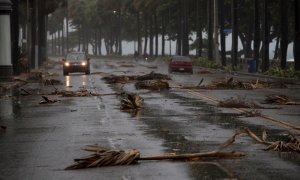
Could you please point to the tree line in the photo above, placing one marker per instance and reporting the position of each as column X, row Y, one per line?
column 69, row 24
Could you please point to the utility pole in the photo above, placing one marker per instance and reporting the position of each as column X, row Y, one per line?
column 216, row 32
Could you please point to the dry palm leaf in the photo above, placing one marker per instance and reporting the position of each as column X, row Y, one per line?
column 130, row 101
column 292, row 144
column 109, row 157
column 152, row 85
column 280, row 99
column 46, row 100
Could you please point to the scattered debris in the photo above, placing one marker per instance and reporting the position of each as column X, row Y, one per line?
column 236, row 84
column 280, row 99
column 52, row 82
column 240, row 103
column 109, row 157
column 130, row 101
column 46, row 100
column 292, row 144
column 79, row 93
column 113, row 79
column 152, row 85
column 153, row 76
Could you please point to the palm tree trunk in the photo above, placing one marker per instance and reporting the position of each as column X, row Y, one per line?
column 146, row 34
column 234, row 53
column 266, row 40
column 163, row 32
column 151, row 36
column 33, row 32
column 210, row 29
column 222, row 33
column 256, row 32
column 297, row 36
column 139, row 34
column 156, row 34
column 283, row 32
column 199, row 30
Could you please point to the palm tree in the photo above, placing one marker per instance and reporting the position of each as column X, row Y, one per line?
column 266, row 39
column 297, row 36
column 234, row 17
column 222, row 33
column 256, row 32
column 283, row 32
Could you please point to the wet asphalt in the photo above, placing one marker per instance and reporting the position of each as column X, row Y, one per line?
column 41, row 140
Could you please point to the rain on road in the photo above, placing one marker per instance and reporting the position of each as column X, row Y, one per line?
column 41, row 140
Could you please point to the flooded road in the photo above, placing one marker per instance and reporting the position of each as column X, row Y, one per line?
column 41, row 140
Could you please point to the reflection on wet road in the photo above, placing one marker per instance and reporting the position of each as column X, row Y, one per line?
column 76, row 80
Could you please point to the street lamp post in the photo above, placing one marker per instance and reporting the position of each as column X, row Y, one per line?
column 6, row 68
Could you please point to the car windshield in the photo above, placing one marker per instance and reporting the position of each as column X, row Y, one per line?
column 75, row 56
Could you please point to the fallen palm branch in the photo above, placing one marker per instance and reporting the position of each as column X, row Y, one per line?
column 291, row 144
column 240, row 103
column 131, row 102
column 110, row 157
column 153, row 76
column 46, row 100
column 236, row 84
column 79, row 93
column 152, row 85
column 280, row 99
column 113, row 79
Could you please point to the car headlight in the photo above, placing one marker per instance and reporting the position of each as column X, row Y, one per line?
column 67, row 64
column 83, row 63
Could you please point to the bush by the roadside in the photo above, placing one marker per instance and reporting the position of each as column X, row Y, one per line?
column 289, row 72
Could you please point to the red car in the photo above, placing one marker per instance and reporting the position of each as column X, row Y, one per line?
column 181, row 64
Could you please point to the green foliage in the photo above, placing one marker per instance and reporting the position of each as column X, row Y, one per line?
column 288, row 73
column 204, row 62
